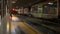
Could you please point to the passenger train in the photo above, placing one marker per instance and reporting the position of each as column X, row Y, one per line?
column 46, row 11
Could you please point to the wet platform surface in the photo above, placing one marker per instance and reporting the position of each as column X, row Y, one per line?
column 20, row 27
column 28, row 25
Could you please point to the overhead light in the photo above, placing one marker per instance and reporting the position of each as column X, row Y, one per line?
column 51, row 3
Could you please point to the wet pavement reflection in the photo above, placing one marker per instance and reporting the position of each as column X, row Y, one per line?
column 20, row 27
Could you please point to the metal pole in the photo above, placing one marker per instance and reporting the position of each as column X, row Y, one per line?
column 3, row 16
column 9, row 3
column 58, row 11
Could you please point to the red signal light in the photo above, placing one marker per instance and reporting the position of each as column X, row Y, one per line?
column 13, row 9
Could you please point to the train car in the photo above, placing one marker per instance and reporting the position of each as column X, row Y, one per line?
column 25, row 11
column 47, row 11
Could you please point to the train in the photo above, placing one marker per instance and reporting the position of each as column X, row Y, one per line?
column 47, row 11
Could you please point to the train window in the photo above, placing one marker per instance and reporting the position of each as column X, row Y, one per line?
column 52, row 10
column 49, row 9
column 40, row 9
column 35, row 9
column 46, row 9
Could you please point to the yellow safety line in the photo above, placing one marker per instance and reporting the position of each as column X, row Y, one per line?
column 28, row 29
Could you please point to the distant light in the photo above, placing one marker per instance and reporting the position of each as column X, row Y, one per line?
column 50, row 3
column 13, row 2
column 45, row 6
column 15, row 19
column 13, row 9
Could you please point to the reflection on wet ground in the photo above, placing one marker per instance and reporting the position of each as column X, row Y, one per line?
column 20, row 27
